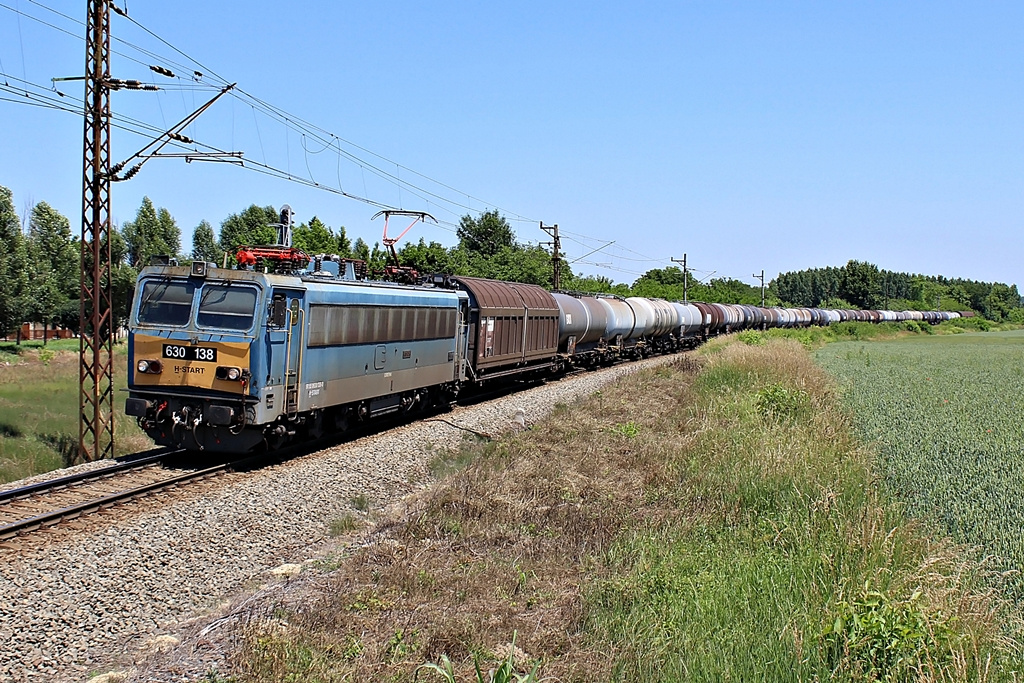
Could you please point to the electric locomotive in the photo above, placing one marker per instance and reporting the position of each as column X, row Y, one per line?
column 230, row 360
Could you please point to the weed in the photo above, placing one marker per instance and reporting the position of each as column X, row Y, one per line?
column 886, row 639
column 39, row 406
column 751, row 338
column 630, row 429
column 711, row 548
column 65, row 445
column 401, row 645
column 342, row 525
column 777, row 402
column 361, row 503
column 506, row 670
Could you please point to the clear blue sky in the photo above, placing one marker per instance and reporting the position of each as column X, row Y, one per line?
column 779, row 135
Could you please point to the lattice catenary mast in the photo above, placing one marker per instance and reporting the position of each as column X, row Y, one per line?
column 96, row 372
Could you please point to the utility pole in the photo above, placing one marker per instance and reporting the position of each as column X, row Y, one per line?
column 760, row 277
column 556, row 254
column 96, row 364
column 685, row 287
column 96, row 330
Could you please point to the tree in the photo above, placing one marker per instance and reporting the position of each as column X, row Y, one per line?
column 14, row 267
column 1001, row 301
column 251, row 226
column 51, row 250
column 53, row 262
column 204, row 244
column 314, row 238
column 344, row 246
column 361, row 250
column 596, row 284
column 861, row 284
column 168, row 232
column 486, row 235
column 152, row 233
column 517, row 263
column 428, row 258
column 122, row 290
column 44, row 301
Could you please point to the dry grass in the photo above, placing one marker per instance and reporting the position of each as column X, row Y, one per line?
column 668, row 524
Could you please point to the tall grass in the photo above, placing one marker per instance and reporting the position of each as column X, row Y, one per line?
column 780, row 537
column 39, row 410
column 706, row 521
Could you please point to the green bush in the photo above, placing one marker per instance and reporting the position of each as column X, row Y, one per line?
column 751, row 337
column 885, row 639
column 776, row 402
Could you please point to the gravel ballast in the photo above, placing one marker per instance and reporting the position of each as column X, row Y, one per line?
column 81, row 601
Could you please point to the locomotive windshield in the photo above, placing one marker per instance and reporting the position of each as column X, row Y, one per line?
column 227, row 307
column 166, row 302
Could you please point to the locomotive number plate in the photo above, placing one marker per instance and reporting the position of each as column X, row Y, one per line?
column 181, row 352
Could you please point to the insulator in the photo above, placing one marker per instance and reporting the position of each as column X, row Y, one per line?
column 116, row 168
column 132, row 171
column 180, row 138
column 133, row 84
column 197, row 75
column 150, row 88
column 116, row 9
column 162, row 71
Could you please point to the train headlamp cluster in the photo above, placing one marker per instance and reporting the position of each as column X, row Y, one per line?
column 229, row 373
column 149, row 367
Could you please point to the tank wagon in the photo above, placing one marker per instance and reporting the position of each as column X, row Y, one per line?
column 234, row 360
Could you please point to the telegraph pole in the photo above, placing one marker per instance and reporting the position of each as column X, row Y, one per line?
column 685, row 284
column 95, row 345
column 556, row 254
column 96, row 365
column 760, row 277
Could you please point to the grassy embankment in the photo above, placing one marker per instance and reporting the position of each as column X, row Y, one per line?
column 713, row 520
column 39, row 407
column 945, row 415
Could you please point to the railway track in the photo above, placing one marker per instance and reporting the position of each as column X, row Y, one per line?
column 45, row 504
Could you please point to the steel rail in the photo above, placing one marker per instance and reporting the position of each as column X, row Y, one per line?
column 124, row 464
column 73, row 511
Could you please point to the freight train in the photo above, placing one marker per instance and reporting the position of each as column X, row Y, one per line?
column 290, row 347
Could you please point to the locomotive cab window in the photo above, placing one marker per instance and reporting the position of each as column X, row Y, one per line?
column 166, row 302
column 227, row 307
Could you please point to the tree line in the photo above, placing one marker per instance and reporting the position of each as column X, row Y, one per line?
column 859, row 284
column 39, row 261
column 39, row 266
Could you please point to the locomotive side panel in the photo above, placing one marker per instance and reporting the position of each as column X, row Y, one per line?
column 369, row 342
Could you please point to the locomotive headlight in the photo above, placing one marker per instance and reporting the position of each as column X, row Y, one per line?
column 228, row 373
column 149, row 367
